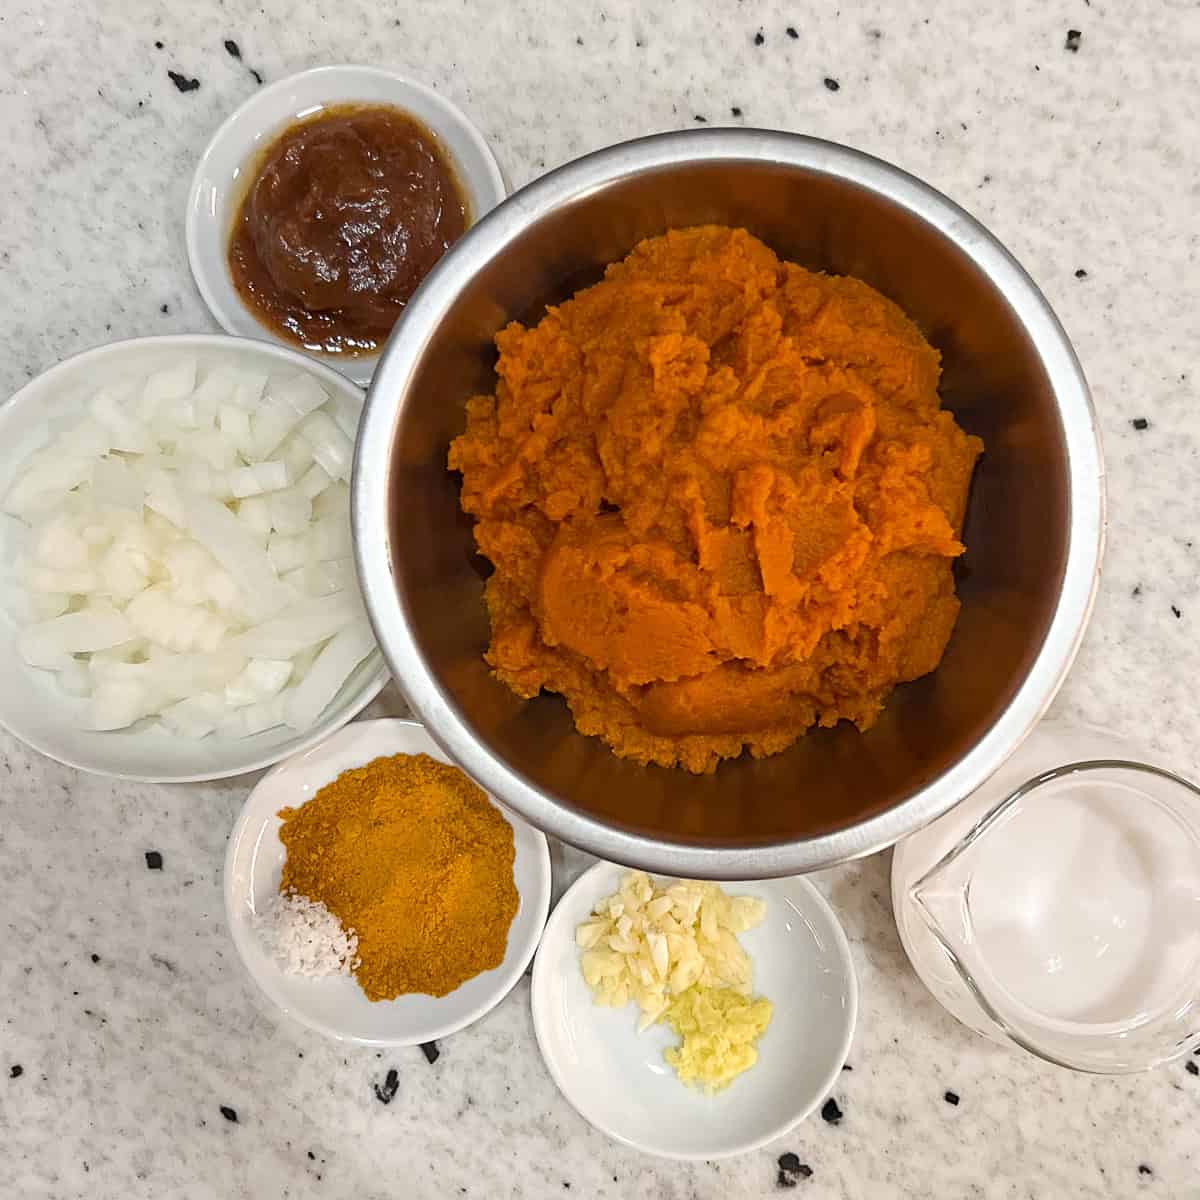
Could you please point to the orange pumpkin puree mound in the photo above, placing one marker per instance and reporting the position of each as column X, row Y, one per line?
column 721, row 498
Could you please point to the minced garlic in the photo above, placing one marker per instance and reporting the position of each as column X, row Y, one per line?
column 675, row 951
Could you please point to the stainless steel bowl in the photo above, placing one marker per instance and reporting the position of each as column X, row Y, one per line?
column 1034, row 528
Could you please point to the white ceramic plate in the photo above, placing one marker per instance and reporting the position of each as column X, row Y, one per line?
column 31, row 705
column 220, row 179
column 337, row 1006
column 618, row 1080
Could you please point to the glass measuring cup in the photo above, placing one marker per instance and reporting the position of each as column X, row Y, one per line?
column 1057, row 909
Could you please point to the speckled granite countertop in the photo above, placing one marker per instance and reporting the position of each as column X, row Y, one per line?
column 136, row 1060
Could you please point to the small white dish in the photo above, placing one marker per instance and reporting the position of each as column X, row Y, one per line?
column 220, row 180
column 617, row 1078
column 337, row 1006
column 32, row 706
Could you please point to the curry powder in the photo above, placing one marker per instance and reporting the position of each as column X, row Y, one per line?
column 409, row 854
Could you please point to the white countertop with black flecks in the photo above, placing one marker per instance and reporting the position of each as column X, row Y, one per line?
column 136, row 1059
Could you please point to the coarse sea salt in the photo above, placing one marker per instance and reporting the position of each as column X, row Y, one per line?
column 305, row 938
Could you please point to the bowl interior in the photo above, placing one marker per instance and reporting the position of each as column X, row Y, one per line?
column 1017, row 531
column 32, row 706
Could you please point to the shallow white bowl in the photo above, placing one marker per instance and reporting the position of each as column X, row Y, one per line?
column 220, row 180
column 337, row 1006
column 617, row 1078
column 31, row 704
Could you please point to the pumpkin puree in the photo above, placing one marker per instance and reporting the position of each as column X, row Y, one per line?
column 721, row 498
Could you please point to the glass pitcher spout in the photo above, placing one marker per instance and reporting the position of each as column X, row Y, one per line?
column 942, row 899
column 1070, row 915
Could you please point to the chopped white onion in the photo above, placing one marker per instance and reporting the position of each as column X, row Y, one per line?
column 89, row 439
column 46, row 482
column 133, row 650
column 291, row 511
column 57, row 544
column 331, row 669
column 116, row 485
column 45, row 643
column 214, row 390
column 110, row 407
column 261, row 679
column 225, row 595
column 173, row 382
column 323, row 578
column 289, row 399
column 74, row 678
column 27, row 607
column 302, row 662
column 117, row 704
column 147, row 537
column 162, row 496
column 196, row 716
column 49, row 580
column 345, row 412
column 198, row 476
column 158, row 617
column 255, row 513
column 212, row 447
column 305, row 624
column 314, row 481
column 334, row 501
column 248, row 388
column 123, row 573
column 287, row 552
column 229, row 542
column 330, row 446
column 297, row 453
column 262, row 477
column 234, row 423
column 254, row 718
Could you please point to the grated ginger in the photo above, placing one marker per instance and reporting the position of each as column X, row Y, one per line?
column 719, row 1028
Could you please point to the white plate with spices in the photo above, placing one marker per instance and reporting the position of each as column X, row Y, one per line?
column 618, row 1080
column 337, row 1005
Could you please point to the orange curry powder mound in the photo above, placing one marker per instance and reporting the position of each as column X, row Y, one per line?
column 721, row 498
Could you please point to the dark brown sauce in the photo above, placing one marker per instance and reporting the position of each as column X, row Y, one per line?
column 347, row 212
